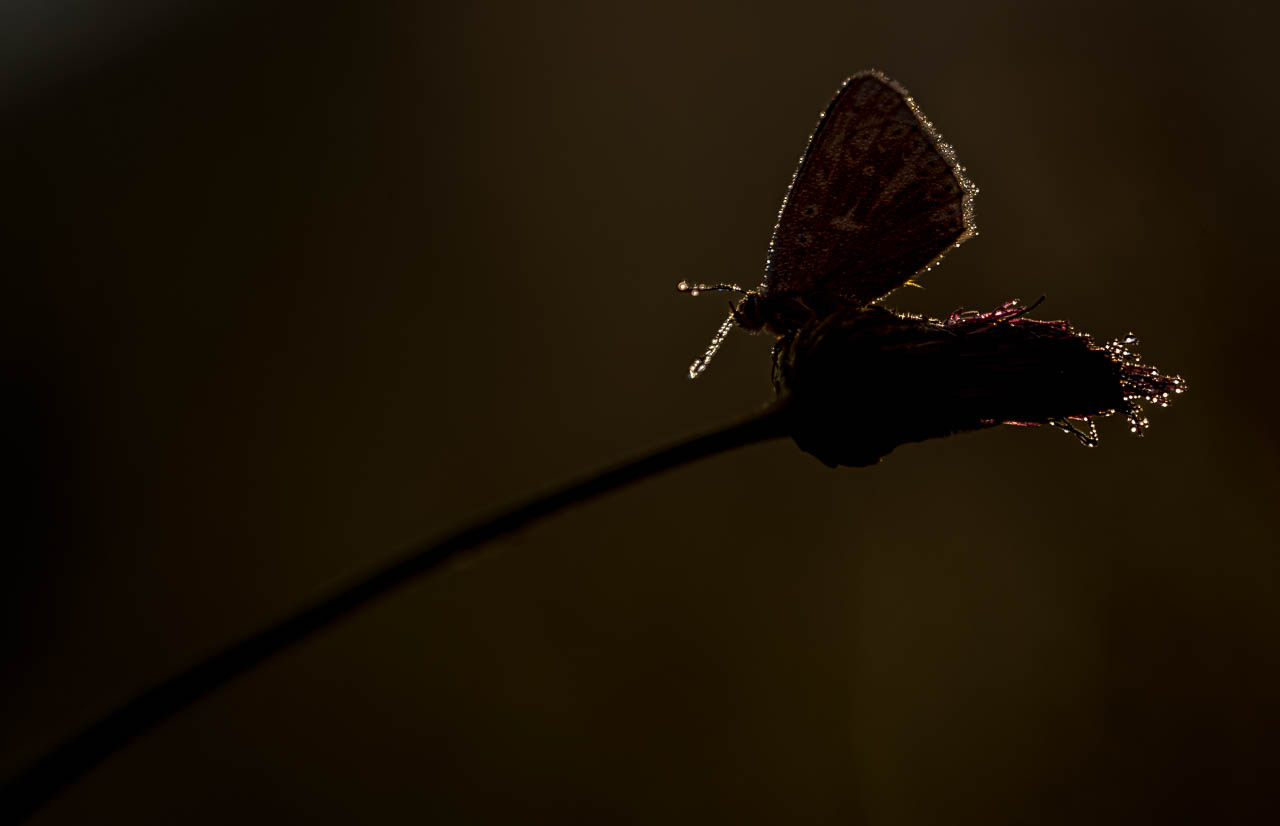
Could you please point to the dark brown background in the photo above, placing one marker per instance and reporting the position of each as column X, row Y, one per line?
column 291, row 286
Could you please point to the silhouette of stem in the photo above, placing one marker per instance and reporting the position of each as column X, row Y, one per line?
column 44, row 779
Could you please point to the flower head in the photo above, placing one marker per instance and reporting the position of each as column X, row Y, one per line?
column 858, row 383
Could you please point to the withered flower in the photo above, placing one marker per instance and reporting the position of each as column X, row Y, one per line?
column 858, row 383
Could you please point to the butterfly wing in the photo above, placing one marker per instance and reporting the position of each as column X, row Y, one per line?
column 877, row 198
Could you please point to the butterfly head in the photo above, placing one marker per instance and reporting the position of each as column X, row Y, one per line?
column 748, row 313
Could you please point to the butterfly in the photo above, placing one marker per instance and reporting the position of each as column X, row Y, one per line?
column 877, row 199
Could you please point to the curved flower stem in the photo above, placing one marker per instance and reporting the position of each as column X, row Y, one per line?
column 44, row 779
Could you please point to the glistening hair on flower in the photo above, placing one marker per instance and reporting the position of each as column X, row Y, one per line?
column 858, row 383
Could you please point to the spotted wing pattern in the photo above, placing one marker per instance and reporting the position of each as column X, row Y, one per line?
column 877, row 198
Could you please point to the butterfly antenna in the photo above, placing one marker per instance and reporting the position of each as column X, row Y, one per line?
column 702, row 361
column 694, row 289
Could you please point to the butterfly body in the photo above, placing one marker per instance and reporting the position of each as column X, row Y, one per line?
column 782, row 313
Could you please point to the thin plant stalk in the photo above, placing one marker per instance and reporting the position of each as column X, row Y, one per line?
column 47, row 777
